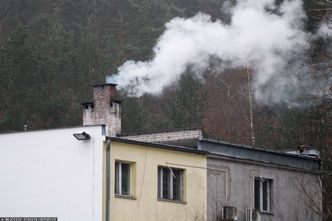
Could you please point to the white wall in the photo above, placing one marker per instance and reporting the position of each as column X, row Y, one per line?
column 51, row 174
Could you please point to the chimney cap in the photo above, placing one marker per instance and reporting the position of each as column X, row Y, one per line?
column 103, row 85
column 86, row 104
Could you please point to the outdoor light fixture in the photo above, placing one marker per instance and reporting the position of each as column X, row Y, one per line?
column 82, row 136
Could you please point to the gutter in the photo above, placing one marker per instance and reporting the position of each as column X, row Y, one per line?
column 263, row 163
column 108, row 176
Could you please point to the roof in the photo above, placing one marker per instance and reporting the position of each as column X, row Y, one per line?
column 158, row 145
column 221, row 148
column 279, row 152
column 49, row 129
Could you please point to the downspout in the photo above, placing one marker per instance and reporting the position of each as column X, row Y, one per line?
column 108, row 176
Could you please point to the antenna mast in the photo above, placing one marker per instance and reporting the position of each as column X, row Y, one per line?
column 250, row 108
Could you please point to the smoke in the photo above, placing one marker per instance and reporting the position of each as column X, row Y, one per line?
column 260, row 35
column 325, row 30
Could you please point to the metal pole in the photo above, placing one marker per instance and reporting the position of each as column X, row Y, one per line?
column 250, row 108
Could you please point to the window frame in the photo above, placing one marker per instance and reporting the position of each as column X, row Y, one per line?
column 172, row 182
column 118, row 179
column 265, row 186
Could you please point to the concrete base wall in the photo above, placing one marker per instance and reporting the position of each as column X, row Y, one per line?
column 166, row 136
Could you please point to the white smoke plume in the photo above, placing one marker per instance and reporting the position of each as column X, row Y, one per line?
column 325, row 30
column 261, row 35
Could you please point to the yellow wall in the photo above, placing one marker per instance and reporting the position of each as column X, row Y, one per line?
column 146, row 206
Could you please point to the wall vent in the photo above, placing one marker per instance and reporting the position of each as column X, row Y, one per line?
column 230, row 213
column 253, row 215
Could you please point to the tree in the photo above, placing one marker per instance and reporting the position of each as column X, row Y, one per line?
column 186, row 104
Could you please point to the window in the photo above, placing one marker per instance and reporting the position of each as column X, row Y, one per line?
column 170, row 183
column 122, row 178
column 263, row 194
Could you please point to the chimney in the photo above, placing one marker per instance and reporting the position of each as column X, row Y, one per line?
column 104, row 109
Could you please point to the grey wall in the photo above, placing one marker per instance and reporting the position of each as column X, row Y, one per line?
column 297, row 195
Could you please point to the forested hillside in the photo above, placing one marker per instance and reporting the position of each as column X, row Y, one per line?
column 51, row 52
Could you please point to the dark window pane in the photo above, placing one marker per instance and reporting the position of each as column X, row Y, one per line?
column 159, row 182
column 265, row 195
column 177, row 184
column 257, row 193
column 125, row 179
column 117, row 190
column 166, row 183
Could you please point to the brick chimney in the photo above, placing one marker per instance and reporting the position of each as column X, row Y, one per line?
column 104, row 109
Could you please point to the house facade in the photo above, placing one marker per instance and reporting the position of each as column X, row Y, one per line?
column 253, row 184
column 50, row 173
column 151, row 182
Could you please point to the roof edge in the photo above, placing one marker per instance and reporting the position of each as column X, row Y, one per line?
column 258, row 149
column 263, row 163
column 159, row 145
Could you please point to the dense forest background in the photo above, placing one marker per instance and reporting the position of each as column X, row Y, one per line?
column 52, row 51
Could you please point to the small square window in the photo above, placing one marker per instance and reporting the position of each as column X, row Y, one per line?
column 170, row 183
column 263, row 194
column 122, row 178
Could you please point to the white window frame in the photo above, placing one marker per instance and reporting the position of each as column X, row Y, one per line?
column 118, row 180
column 268, row 195
column 171, row 184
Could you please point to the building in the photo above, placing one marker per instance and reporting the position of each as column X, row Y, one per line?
column 50, row 173
column 261, row 184
column 159, row 182
column 100, row 175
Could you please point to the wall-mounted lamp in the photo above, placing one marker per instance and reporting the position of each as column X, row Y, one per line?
column 82, row 136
